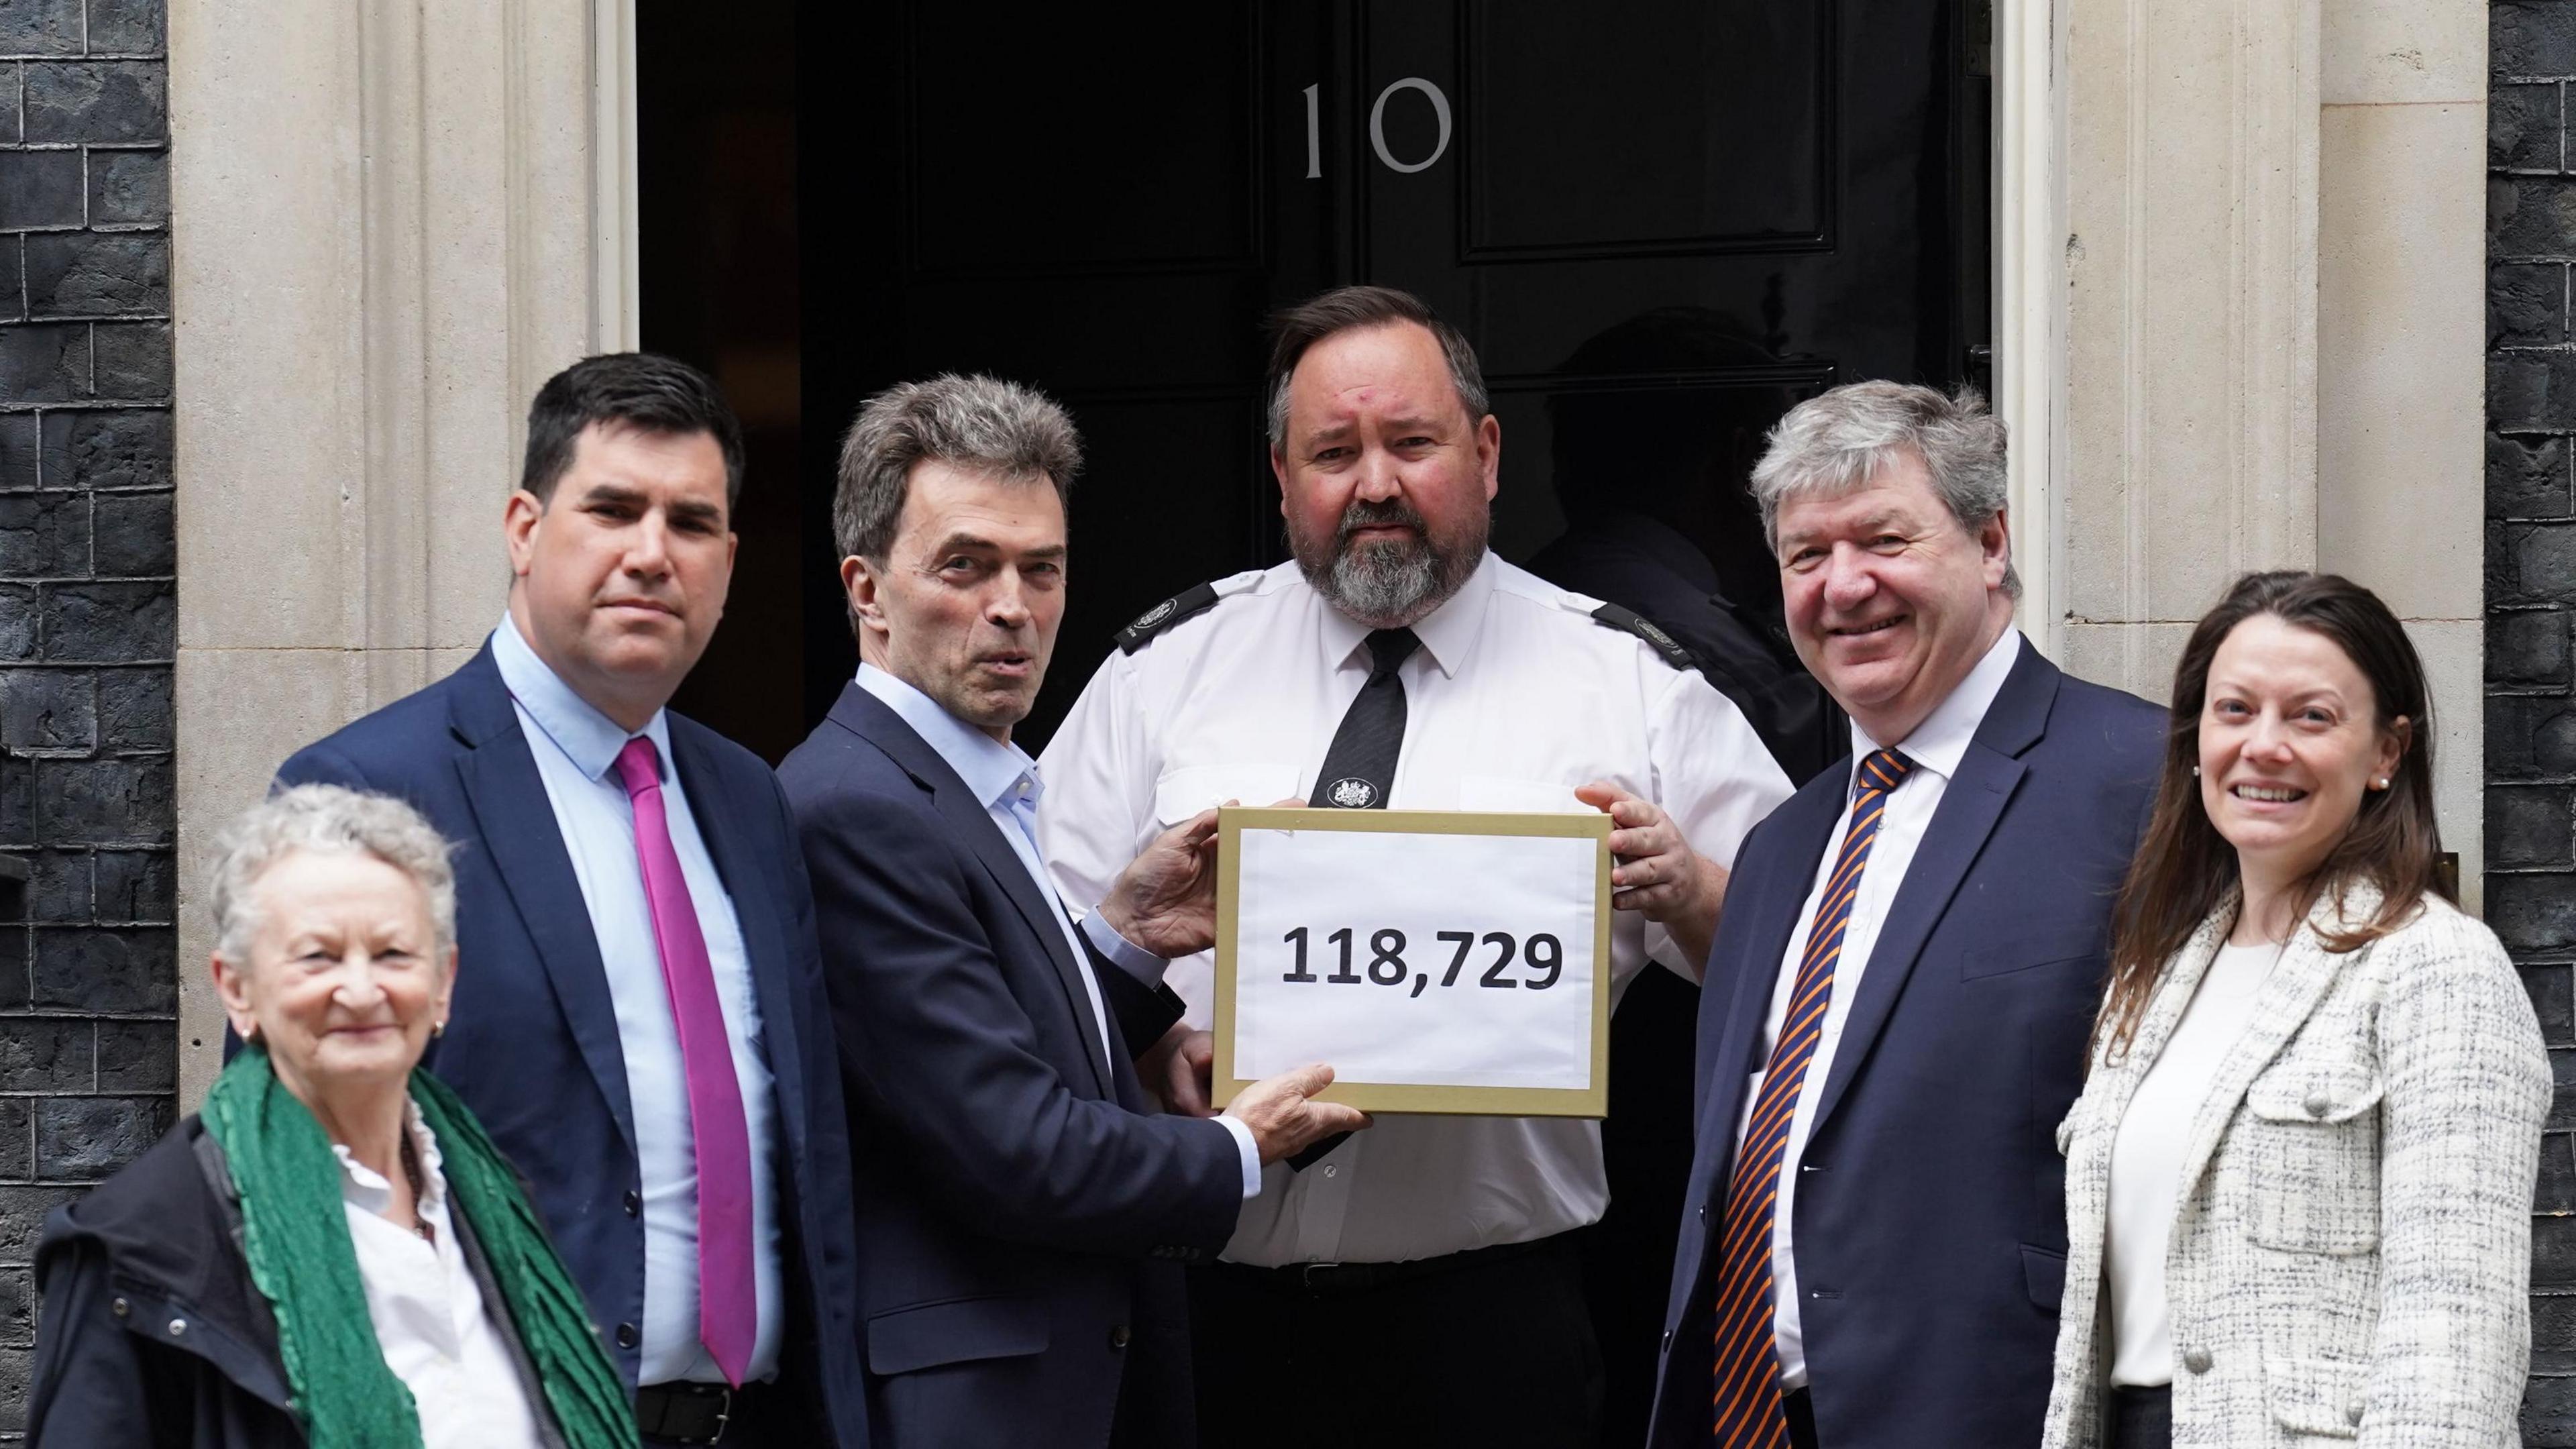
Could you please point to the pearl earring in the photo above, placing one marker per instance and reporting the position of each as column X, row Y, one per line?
column 2195, row 772
column 2383, row 782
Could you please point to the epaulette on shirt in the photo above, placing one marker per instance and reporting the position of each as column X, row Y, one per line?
column 1628, row 621
column 1187, row 604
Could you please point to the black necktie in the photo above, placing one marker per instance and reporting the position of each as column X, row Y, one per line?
column 1359, row 769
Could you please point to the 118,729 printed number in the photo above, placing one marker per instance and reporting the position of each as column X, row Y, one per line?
column 1542, row 954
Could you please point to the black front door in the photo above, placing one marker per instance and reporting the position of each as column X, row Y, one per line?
column 1659, row 222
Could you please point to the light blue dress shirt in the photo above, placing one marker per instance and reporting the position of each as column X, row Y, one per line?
column 1005, row 782
column 576, row 751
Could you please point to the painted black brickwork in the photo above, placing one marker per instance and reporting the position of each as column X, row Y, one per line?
column 88, row 980
column 2531, row 600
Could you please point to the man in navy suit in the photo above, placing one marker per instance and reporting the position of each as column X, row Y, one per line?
column 1022, row 1212
column 641, row 1022
column 1895, row 1011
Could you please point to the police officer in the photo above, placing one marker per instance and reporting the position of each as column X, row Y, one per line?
column 1397, row 662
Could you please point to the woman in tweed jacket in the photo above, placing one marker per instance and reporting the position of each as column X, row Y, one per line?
column 2298, row 1182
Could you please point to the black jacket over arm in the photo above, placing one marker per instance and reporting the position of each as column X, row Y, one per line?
column 153, row 1333
column 1020, row 1212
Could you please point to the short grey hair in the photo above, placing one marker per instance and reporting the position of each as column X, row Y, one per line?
column 1835, row 442
column 1005, row 429
column 329, row 820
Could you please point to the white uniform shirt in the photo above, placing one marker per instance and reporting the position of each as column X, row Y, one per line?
column 1936, row 747
column 1515, row 698
column 2147, row 1152
column 576, row 751
column 431, row 1320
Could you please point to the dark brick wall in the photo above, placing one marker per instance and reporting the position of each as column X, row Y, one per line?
column 2531, row 600
column 88, row 983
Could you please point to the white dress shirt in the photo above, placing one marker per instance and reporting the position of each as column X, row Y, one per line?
column 2147, row 1154
column 1515, row 698
column 1936, row 747
column 430, row 1317
column 1006, row 783
column 576, row 751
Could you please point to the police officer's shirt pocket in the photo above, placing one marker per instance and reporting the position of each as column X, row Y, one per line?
column 1185, row 792
column 1505, row 794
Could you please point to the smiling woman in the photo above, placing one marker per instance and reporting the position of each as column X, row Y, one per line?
column 334, row 1219
column 2349, row 1246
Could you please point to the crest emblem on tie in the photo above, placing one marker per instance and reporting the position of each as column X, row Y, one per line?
column 1351, row 793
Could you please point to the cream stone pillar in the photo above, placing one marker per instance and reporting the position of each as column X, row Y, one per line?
column 2401, row 375
column 2260, row 347
column 2191, row 276
column 400, row 218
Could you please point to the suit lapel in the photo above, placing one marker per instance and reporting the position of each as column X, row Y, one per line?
column 1989, row 773
column 867, row 716
column 518, row 827
column 1805, row 826
column 2289, row 994
column 739, row 865
column 2115, row 1083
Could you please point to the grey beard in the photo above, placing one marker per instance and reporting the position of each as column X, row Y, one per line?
column 1389, row 585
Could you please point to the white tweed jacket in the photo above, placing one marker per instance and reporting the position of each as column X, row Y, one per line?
column 2352, row 1233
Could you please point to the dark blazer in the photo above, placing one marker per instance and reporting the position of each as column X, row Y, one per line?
column 532, row 1043
column 1931, row 1223
column 1021, row 1214
column 157, row 1245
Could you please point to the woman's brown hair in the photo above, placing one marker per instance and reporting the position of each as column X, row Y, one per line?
column 2185, row 868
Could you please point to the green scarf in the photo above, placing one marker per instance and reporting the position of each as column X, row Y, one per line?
column 297, row 1239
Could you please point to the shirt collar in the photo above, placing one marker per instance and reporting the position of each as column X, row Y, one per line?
column 586, row 737
column 1941, row 741
column 992, row 769
column 362, row 1186
column 1448, row 633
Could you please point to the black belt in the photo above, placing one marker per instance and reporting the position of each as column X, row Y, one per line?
column 1343, row 1280
column 688, row 1413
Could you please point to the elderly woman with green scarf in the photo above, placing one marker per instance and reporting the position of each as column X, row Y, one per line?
column 331, row 1254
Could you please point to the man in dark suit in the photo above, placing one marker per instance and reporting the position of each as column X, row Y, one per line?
column 644, row 1032
column 1022, row 1214
column 1895, row 1011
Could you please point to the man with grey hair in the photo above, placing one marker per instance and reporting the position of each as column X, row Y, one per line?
column 1007, row 1155
column 1397, row 662
column 1895, row 1015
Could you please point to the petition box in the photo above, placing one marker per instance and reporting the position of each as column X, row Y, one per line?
column 1439, row 961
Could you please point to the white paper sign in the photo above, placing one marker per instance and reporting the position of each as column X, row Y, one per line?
column 1434, row 959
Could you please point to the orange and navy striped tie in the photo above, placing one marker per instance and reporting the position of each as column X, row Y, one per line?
column 1748, row 1409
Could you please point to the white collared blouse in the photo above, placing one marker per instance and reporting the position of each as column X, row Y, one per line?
column 431, row 1321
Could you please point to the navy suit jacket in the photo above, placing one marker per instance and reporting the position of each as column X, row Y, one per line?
column 1930, row 1226
column 532, row 1044
column 1022, row 1214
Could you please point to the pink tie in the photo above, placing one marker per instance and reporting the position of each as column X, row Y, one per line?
column 727, row 1317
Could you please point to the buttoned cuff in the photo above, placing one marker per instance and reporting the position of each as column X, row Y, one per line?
column 1124, row 954
column 1251, row 1155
